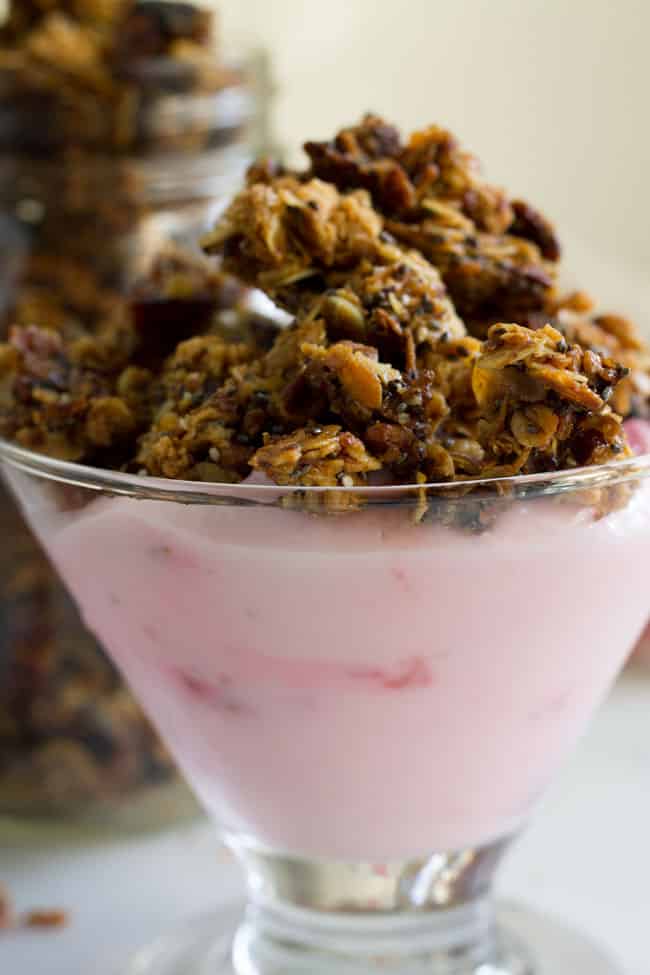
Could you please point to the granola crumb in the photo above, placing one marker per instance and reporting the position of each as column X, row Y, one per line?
column 51, row 918
column 35, row 918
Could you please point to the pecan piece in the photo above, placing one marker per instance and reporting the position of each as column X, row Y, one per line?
column 530, row 224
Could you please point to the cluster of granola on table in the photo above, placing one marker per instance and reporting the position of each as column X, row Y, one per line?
column 430, row 340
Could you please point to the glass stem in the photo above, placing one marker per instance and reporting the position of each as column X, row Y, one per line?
column 431, row 915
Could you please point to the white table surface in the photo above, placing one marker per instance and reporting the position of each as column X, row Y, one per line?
column 586, row 858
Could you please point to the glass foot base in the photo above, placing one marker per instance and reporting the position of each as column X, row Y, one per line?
column 205, row 947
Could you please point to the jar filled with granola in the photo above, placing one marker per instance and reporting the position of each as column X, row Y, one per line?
column 120, row 127
column 122, row 131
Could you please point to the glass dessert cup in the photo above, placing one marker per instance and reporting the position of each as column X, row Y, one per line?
column 368, row 699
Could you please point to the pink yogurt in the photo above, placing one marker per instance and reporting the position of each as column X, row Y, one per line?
column 361, row 687
column 638, row 435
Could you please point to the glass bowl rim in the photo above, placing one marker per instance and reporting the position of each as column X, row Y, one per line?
column 145, row 486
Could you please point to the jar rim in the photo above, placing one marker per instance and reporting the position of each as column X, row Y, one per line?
column 573, row 481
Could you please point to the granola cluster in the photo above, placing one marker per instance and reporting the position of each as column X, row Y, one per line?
column 499, row 257
column 429, row 340
column 86, row 394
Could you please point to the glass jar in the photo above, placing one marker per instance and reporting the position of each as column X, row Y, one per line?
column 72, row 738
column 119, row 133
column 93, row 183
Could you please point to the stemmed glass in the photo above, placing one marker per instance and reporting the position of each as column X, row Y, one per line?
column 368, row 690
